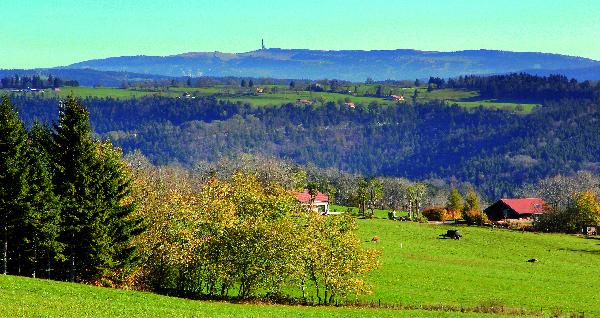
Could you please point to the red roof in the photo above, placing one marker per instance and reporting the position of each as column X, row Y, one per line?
column 525, row 206
column 304, row 197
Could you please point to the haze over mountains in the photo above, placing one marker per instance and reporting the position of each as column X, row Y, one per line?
column 348, row 65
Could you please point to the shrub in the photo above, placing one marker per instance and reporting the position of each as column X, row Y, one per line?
column 437, row 214
column 583, row 208
column 521, row 226
column 475, row 217
column 454, row 214
column 421, row 219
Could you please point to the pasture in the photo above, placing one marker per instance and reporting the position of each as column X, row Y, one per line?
column 27, row 297
column 278, row 95
column 486, row 268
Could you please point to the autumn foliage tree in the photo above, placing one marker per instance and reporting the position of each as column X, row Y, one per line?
column 582, row 209
column 237, row 237
column 455, row 204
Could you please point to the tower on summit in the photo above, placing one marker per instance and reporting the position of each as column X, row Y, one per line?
column 262, row 44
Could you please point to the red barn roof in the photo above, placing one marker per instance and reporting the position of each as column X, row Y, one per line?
column 525, row 206
column 304, row 197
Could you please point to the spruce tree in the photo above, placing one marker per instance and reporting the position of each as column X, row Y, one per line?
column 41, row 221
column 13, row 174
column 93, row 185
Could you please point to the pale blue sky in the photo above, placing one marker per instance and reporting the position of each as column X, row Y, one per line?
column 44, row 33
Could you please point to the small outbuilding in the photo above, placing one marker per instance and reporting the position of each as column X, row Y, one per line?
column 320, row 203
column 515, row 209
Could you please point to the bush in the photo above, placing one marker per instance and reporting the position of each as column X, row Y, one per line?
column 454, row 214
column 437, row 214
column 421, row 219
column 521, row 226
column 475, row 217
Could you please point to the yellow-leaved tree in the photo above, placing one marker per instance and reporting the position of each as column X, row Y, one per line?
column 236, row 237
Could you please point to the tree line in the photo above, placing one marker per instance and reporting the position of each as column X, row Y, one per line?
column 63, row 198
column 35, row 81
column 524, row 86
column 497, row 151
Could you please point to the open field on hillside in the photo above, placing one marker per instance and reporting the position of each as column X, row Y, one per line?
column 26, row 297
column 488, row 267
column 282, row 95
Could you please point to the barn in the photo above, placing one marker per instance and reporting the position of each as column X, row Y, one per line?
column 523, row 209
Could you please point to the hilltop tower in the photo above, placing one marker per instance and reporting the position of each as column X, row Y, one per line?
column 262, row 44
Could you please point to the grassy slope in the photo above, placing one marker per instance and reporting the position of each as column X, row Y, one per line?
column 485, row 266
column 25, row 297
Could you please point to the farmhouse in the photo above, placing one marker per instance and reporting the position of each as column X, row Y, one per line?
column 260, row 90
column 320, row 203
column 397, row 98
column 303, row 102
column 523, row 209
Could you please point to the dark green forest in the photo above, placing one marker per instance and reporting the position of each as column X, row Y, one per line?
column 495, row 150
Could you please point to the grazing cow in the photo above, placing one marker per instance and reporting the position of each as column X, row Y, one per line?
column 453, row 234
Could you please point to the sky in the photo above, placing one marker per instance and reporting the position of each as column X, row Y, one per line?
column 47, row 33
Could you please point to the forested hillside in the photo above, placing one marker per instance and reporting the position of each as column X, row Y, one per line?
column 492, row 149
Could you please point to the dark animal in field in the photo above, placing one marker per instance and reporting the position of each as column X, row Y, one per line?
column 453, row 234
column 533, row 260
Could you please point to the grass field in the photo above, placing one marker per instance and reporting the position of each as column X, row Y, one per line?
column 26, row 297
column 488, row 267
column 467, row 99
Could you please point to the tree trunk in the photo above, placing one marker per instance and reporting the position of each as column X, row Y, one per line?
column 316, row 281
column 34, row 267
column 5, row 256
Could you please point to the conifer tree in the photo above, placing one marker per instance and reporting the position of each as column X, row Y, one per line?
column 93, row 185
column 471, row 200
column 455, row 203
column 41, row 221
column 13, row 187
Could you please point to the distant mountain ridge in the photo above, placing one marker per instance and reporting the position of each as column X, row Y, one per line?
column 353, row 65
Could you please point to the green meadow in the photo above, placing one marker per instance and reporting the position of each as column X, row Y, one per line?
column 27, row 297
column 282, row 95
column 486, row 268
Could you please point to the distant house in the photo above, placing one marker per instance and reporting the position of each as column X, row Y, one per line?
column 396, row 98
column 350, row 105
column 523, row 209
column 320, row 203
column 303, row 102
column 260, row 90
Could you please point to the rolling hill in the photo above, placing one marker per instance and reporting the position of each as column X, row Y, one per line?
column 350, row 65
